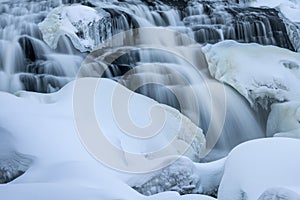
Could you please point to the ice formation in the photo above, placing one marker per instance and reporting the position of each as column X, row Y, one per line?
column 262, row 74
column 284, row 120
column 85, row 26
column 12, row 163
column 182, row 176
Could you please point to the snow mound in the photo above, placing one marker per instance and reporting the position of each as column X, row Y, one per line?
column 62, row 167
column 255, row 166
column 284, row 120
column 262, row 74
column 85, row 26
column 279, row 193
column 188, row 139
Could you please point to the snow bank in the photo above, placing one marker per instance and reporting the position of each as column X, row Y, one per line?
column 62, row 168
column 262, row 74
column 256, row 166
column 85, row 26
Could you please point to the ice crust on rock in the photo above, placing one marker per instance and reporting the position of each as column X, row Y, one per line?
column 12, row 163
column 262, row 74
column 86, row 27
column 284, row 120
column 182, row 176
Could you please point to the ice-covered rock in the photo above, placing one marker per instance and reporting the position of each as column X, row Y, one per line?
column 293, row 31
column 85, row 26
column 262, row 74
column 278, row 193
column 284, row 120
column 182, row 176
column 12, row 163
column 255, row 166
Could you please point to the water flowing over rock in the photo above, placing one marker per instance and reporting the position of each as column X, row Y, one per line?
column 30, row 30
column 170, row 54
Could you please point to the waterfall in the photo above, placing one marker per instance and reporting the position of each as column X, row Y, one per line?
column 40, row 53
column 24, row 64
column 183, row 84
column 27, row 63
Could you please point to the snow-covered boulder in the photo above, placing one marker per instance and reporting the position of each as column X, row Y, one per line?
column 86, row 27
column 284, row 120
column 262, row 74
column 255, row 166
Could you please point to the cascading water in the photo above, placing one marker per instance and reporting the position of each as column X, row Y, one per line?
column 156, row 72
column 27, row 63
column 42, row 50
